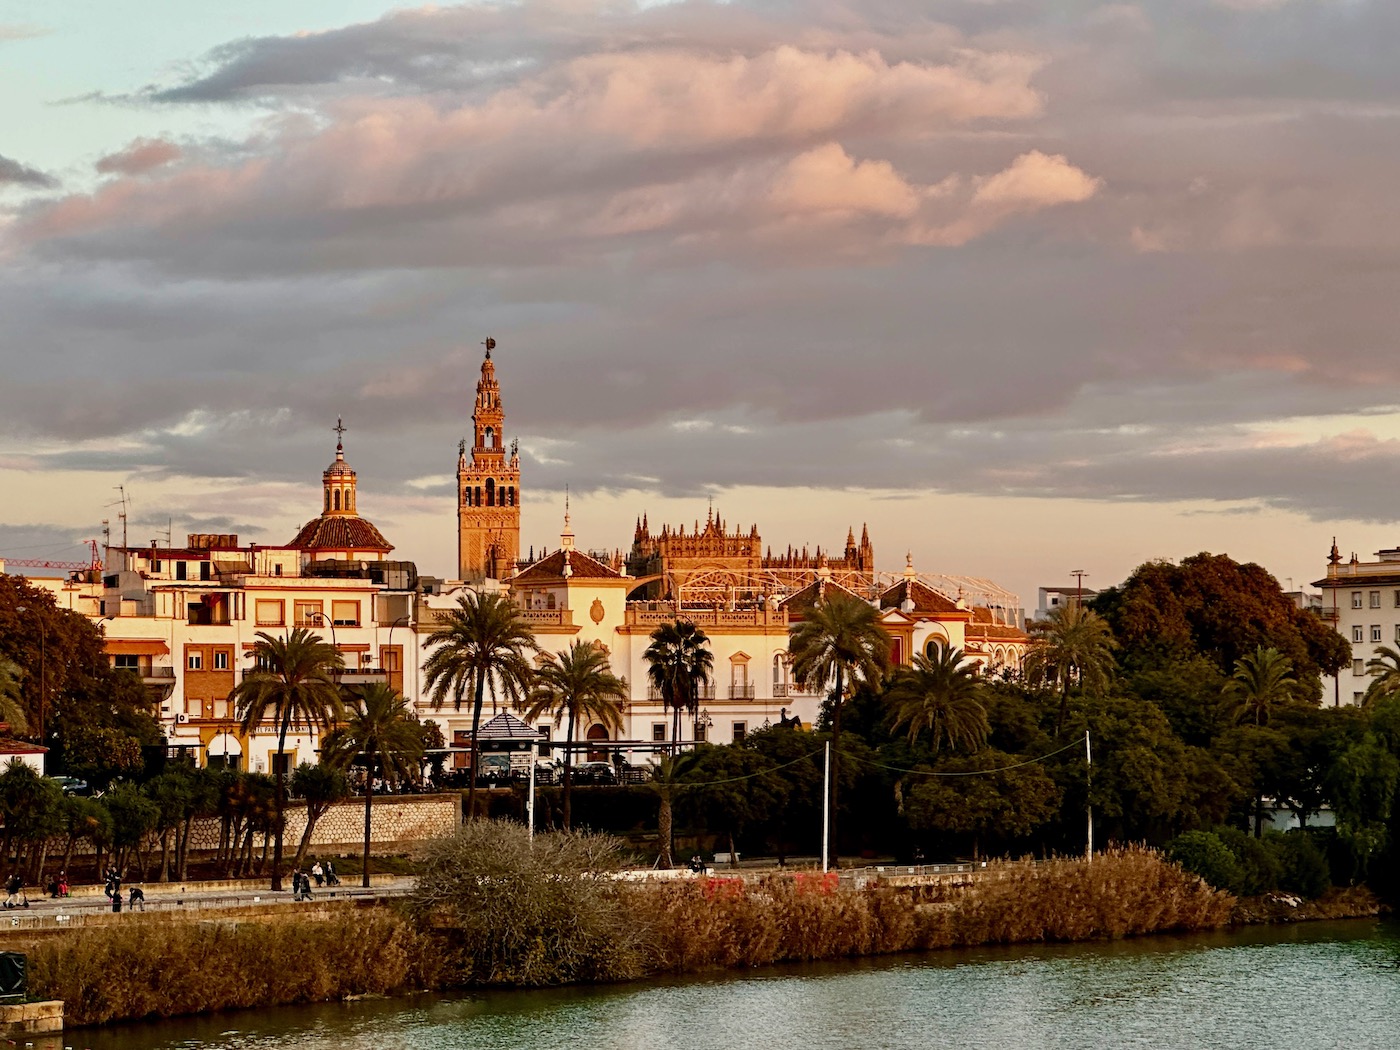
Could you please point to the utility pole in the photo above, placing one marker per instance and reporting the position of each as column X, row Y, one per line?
column 1079, row 575
column 1088, row 796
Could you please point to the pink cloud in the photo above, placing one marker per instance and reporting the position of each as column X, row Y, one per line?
column 141, row 156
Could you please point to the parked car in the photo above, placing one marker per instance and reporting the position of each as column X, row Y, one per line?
column 71, row 785
column 595, row 773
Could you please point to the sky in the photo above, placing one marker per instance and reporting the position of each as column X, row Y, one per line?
column 1028, row 286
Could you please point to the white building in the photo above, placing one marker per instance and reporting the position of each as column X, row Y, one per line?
column 1362, row 600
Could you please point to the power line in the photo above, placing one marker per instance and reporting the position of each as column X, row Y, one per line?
column 970, row 773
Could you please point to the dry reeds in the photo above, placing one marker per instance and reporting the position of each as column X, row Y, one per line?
column 718, row 923
column 514, row 918
column 164, row 969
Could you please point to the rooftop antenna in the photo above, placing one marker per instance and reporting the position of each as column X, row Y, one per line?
column 124, row 503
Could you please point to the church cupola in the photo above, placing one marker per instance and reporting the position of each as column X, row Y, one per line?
column 338, row 480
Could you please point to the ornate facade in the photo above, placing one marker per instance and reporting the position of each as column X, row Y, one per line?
column 714, row 564
column 488, row 488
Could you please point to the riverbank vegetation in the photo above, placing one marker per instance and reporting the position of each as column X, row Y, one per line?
column 491, row 909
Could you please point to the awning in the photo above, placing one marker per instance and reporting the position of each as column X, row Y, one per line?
column 224, row 744
column 136, row 647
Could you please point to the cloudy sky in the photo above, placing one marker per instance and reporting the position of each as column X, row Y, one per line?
column 1028, row 285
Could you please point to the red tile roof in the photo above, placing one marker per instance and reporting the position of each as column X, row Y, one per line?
column 552, row 568
column 340, row 532
column 926, row 599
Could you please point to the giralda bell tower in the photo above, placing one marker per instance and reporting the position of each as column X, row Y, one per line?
column 488, row 488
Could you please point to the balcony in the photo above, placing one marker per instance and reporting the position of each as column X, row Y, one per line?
column 739, row 691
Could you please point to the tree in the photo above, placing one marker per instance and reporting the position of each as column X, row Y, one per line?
column 482, row 644
column 679, row 663
column 578, row 685
column 939, row 694
column 1073, row 646
column 11, row 698
column 985, row 798
column 1222, row 609
column 292, row 683
column 1384, row 669
column 382, row 731
column 668, row 773
column 839, row 642
column 1262, row 681
column 320, row 786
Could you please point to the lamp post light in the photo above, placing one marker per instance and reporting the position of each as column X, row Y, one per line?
column 703, row 722
column 43, row 664
column 407, row 620
column 321, row 618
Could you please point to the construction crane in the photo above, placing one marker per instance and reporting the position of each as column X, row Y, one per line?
column 93, row 564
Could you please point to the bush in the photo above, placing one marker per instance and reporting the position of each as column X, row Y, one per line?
column 1259, row 860
column 509, row 912
column 1203, row 853
column 1303, row 865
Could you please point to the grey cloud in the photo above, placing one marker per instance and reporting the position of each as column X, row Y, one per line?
column 13, row 173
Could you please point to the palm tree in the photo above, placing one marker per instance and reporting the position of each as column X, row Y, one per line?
column 579, row 685
column 1072, row 646
column 666, row 781
column 292, row 683
column 11, row 706
column 1262, row 680
column 1385, row 670
column 380, row 729
column 483, row 643
column 839, row 642
column 940, row 694
column 679, row 662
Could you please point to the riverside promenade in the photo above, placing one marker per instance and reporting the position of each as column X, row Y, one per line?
column 89, row 905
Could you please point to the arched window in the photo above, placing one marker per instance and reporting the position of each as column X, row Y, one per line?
column 490, row 439
column 328, row 499
column 778, row 679
column 478, row 496
column 337, row 499
column 510, row 496
column 934, row 647
column 549, row 602
column 490, row 492
column 467, row 496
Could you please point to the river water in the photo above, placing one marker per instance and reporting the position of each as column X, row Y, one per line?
column 1314, row 985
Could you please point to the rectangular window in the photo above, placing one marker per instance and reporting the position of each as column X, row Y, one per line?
column 1397, row 599
column 1358, row 667
column 308, row 614
column 180, row 572
column 194, row 660
column 1356, row 698
column 282, row 763
column 658, row 731
column 345, row 614
column 1397, row 632
column 1375, row 599
column 546, row 734
column 741, row 730
column 1358, row 633
column 1375, row 632
column 700, row 730
column 1356, row 599
column 127, row 663
column 221, row 659
column 269, row 613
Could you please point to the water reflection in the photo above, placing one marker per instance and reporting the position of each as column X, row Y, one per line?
column 1320, row 985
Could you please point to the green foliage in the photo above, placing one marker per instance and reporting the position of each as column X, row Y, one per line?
column 940, row 695
column 1262, row 681
column 1073, row 648
column 839, row 644
column 509, row 912
column 1203, row 853
column 1007, row 805
column 679, row 662
column 578, row 686
column 1213, row 606
column 1302, row 864
column 483, row 644
column 1260, row 865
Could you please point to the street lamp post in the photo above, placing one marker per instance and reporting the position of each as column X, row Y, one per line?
column 321, row 618
column 401, row 620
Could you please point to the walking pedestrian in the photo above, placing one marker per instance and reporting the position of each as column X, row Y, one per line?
column 12, row 887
